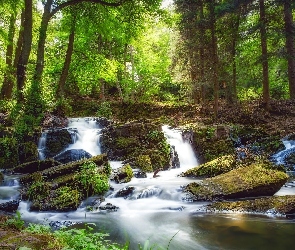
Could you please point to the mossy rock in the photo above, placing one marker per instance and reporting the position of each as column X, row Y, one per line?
column 290, row 159
column 27, row 152
column 249, row 181
column 276, row 205
column 8, row 152
column 31, row 167
column 143, row 162
column 212, row 168
column 56, row 141
column 123, row 174
column 208, row 145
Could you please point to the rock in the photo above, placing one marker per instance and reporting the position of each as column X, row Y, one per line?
column 140, row 174
column 56, row 225
column 109, row 208
column 56, row 141
column 123, row 174
column 174, row 159
column 10, row 206
column 72, row 155
column 212, row 168
column 125, row 192
column 54, row 121
column 1, row 178
column 250, row 181
column 276, row 205
column 126, row 142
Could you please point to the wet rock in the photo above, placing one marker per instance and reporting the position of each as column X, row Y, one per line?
column 10, row 206
column 174, row 159
column 140, row 174
column 1, row 177
column 56, row 141
column 61, row 224
column 109, row 208
column 72, row 155
column 125, row 192
column 92, row 204
column 257, row 179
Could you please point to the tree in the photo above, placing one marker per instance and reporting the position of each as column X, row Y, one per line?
column 26, row 48
column 290, row 45
column 266, row 94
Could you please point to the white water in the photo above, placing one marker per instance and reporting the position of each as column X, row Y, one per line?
column 156, row 211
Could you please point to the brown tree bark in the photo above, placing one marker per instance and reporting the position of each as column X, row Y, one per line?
column 290, row 46
column 7, row 86
column 263, row 36
column 26, row 48
column 68, row 59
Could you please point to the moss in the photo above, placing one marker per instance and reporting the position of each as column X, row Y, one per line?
column 249, row 181
column 208, row 145
column 65, row 199
column 215, row 167
column 8, row 152
column 123, row 174
column 27, row 152
column 283, row 205
column 143, row 162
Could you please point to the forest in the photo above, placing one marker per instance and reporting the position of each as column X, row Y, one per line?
column 220, row 74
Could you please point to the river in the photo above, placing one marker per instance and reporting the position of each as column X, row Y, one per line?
column 157, row 213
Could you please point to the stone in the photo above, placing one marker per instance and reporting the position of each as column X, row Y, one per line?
column 72, row 155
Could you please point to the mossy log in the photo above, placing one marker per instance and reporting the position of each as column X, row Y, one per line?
column 34, row 166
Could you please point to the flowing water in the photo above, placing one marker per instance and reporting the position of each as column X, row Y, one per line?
column 157, row 212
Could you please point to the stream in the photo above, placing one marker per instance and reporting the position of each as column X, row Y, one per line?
column 156, row 211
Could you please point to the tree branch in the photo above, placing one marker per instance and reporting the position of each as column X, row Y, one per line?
column 73, row 2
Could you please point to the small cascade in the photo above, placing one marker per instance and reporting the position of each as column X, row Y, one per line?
column 41, row 145
column 185, row 152
column 9, row 188
column 85, row 134
column 280, row 157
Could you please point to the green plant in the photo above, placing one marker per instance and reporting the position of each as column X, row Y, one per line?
column 16, row 222
column 66, row 197
column 39, row 190
column 91, row 180
column 38, row 229
column 104, row 110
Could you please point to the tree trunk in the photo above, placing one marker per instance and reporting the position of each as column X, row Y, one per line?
column 41, row 42
column 202, row 54
column 68, row 59
column 7, row 86
column 235, row 28
column 290, row 46
column 214, row 57
column 26, row 49
column 263, row 35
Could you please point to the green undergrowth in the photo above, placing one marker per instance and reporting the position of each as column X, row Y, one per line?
column 14, row 235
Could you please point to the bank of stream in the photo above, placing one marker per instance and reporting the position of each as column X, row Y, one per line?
column 156, row 209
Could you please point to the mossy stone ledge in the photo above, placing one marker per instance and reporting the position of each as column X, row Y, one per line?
column 276, row 205
column 249, row 181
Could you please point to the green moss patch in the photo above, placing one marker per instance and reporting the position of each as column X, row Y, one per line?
column 249, row 181
column 212, row 168
column 31, row 167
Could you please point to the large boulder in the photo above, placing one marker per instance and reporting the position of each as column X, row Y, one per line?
column 253, row 180
column 276, row 205
column 127, row 142
column 56, row 141
column 72, row 155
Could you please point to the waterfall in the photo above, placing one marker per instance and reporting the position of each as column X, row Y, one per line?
column 280, row 157
column 41, row 145
column 187, row 157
